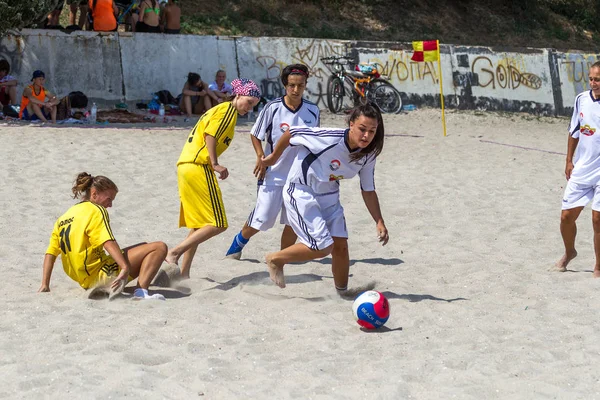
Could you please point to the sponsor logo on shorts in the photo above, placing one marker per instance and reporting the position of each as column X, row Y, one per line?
column 284, row 127
column 334, row 165
column 587, row 130
column 333, row 177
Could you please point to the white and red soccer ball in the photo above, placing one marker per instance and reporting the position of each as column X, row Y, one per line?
column 371, row 309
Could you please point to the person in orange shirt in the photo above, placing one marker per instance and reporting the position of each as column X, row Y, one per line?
column 103, row 15
column 33, row 103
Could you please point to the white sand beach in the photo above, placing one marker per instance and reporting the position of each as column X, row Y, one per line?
column 475, row 314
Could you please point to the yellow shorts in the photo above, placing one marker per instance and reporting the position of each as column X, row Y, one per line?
column 200, row 195
column 109, row 270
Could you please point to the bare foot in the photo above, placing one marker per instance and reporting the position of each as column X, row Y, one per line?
column 596, row 273
column 561, row 265
column 276, row 272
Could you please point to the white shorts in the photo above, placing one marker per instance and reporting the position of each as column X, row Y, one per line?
column 269, row 202
column 579, row 195
column 315, row 218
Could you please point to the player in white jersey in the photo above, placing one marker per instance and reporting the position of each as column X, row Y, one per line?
column 311, row 194
column 582, row 170
column 275, row 119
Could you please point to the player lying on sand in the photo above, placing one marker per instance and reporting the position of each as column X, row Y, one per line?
column 83, row 233
column 311, row 193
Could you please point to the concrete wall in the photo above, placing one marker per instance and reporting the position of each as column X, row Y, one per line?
column 129, row 67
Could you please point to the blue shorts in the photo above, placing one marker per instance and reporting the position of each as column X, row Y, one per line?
column 27, row 117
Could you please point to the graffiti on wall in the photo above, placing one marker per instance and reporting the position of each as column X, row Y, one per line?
column 399, row 67
column 310, row 56
column 577, row 66
column 505, row 74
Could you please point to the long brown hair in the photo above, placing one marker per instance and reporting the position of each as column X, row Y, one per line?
column 85, row 182
column 369, row 110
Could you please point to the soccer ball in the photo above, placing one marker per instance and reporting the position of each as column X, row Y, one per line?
column 371, row 309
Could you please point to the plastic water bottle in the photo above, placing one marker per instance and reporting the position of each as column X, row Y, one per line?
column 93, row 113
column 161, row 110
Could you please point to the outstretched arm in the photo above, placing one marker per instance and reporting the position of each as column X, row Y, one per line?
column 49, row 260
column 282, row 144
column 113, row 249
column 372, row 202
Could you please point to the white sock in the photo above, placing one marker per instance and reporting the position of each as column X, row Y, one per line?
column 142, row 294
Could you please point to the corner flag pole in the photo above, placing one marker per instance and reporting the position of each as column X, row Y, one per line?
column 441, row 88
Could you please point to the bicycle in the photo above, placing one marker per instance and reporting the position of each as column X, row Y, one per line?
column 359, row 86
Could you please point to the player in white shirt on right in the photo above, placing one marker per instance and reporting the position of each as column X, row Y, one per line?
column 311, row 194
column 274, row 120
column 582, row 170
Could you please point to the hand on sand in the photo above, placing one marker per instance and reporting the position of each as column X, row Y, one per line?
column 43, row 289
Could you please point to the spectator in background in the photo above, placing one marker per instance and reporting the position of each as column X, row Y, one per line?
column 33, row 103
column 103, row 15
column 8, row 85
column 149, row 17
column 220, row 87
column 82, row 5
column 196, row 96
column 52, row 22
column 171, row 18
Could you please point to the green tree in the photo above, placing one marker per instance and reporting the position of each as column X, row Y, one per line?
column 17, row 14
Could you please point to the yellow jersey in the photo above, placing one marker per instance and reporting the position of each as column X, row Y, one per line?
column 218, row 122
column 79, row 236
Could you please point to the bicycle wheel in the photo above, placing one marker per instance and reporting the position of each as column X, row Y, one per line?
column 335, row 94
column 386, row 97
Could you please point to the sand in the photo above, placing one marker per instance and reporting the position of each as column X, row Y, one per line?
column 475, row 314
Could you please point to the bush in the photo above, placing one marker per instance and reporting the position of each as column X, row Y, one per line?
column 17, row 14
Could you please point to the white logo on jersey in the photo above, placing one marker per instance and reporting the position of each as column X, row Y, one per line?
column 334, row 165
column 284, row 127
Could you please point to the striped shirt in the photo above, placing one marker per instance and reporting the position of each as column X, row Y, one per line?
column 273, row 121
column 218, row 122
column 323, row 160
column 79, row 236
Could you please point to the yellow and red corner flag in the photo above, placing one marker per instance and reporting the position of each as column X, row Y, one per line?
column 429, row 50
column 425, row 51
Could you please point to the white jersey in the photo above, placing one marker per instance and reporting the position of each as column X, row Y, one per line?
column 227, row 88
column 273, row 121
column 8, row 78
column 585, row 124
column 323, row 159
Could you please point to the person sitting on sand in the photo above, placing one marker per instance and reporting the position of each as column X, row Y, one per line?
column 196, row 96
column 8, row 85
column 220, row 87
column 311, row 194
column 83, row 234
column 33, row 102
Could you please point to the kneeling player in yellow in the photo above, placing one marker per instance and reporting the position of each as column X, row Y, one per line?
column 202, row 208
column 83, row 233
